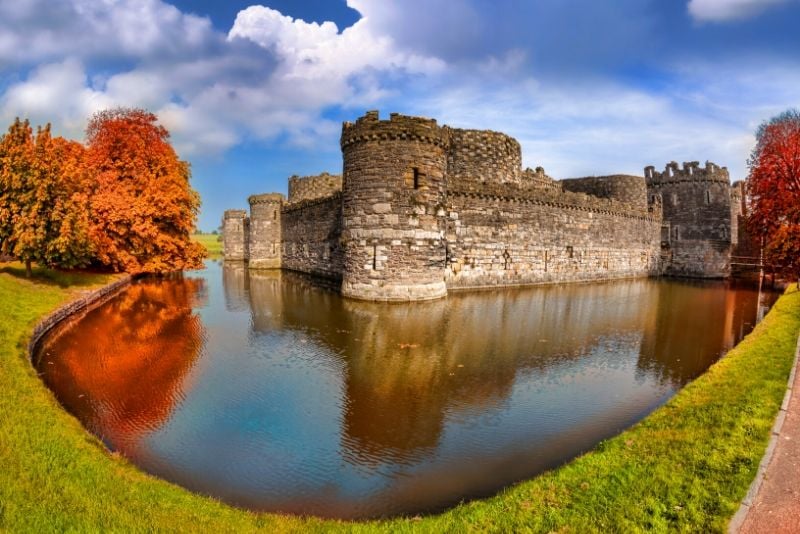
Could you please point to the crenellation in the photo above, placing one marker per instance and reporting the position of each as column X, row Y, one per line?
column 421, row 208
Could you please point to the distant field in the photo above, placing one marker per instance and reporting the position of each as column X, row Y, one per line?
column 212, row 242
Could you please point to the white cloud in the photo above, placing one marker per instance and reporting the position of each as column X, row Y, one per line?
column 56, row 92
column 727, row 10
column 709, row 112
column 270, row 76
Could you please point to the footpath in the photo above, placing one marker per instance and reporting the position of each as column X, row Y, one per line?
column 773, row 503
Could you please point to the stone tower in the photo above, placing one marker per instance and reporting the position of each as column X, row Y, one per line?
column 265, row 231
column 393, row 210
column 235, row 235
column 697, row 231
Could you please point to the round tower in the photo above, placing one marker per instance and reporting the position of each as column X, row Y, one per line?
column 696, row 203
column 393, row 210
column 265, row 231
column 235, row 235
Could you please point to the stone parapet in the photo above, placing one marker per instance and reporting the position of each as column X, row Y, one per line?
column 483, row 156
column 313, row 187
column 691, row 172
column 398, row 127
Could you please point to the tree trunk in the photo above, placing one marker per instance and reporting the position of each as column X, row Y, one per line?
column 28, row 269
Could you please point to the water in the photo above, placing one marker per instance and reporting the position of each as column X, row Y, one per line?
column 271, row 393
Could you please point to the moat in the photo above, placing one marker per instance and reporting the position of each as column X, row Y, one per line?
column 269, row 392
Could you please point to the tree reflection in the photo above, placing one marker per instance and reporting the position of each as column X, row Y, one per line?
column 123, row 370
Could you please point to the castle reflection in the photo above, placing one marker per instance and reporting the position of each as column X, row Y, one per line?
column 409, row 367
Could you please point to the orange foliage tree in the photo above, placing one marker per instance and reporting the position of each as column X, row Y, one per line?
column 43, row 200
column 143, row 209
column 773, row 188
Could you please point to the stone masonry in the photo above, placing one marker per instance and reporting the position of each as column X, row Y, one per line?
column 422, row 208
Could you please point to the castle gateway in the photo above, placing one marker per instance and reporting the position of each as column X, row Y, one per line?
column 422, row 208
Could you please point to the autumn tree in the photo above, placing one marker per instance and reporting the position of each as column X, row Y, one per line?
column 773, row 188
column 143, row 209
column 43, row 200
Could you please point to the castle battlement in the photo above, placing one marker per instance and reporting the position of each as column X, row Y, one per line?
column 398, row 127
column 691, row 172
column 265, row 198
column 421, row 208
column 235, row 214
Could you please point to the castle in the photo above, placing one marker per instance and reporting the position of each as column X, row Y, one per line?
column 422, row 208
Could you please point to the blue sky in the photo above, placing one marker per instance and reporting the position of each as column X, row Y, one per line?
column 254, row 93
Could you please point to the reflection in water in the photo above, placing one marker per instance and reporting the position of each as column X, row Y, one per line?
column 122, row 370
column 275, row 394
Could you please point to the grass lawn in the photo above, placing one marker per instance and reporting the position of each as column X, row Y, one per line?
column 685, row 467
column 211, row 242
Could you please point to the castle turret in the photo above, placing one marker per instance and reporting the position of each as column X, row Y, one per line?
column 265, row 231
column 235, row 230
column 394, row 208
column 696, row 203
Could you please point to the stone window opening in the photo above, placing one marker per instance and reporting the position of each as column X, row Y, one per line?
column 374, row 257
column 506, row 259
column 275, row 215
column 417, row 181
column 708, row 196
column 570, row 251
column 676, row 233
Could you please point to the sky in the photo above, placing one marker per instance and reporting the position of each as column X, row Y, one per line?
column 254, row 93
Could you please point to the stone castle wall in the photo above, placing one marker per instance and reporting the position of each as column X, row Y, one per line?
column 421, row 208
column 265, row 231
column 697, row 206
column 236, row 235
column 622, row 187
column 311, row 236
column 313, row 187
column 482, row 156
column 498, row 240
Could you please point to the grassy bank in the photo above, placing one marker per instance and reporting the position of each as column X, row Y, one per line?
column 686, row 466
column 211, row 242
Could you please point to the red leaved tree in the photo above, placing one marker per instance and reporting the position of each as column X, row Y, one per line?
column 773, row 188
column 143, row 209
column 43, row 200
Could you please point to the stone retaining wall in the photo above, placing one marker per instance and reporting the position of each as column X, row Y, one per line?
column 84, row 301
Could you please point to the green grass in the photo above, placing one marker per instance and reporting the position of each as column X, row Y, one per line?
column 685, row 467
column 212, row 243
